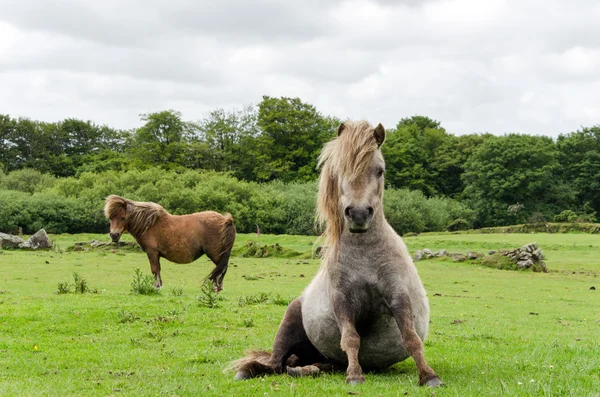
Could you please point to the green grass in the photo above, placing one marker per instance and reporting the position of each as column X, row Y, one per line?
column 493, row 332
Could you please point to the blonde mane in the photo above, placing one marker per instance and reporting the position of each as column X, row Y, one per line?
column 348, row 157
column 139, row 215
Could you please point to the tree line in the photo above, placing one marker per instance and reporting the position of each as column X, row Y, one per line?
column 508, row 179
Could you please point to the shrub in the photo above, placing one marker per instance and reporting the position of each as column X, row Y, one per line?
column 458, row 224
column 75, row 204
column 208, row 297
column 498, row 261
column 143, row 284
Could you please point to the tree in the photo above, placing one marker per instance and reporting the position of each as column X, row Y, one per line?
column 292, row 134
column 510, row 178
column 579, row 158
column 229, row 137
column 410, row 151
column 161, row 140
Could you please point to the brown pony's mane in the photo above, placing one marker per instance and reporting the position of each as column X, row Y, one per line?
column 139, row 215
column 346, row 156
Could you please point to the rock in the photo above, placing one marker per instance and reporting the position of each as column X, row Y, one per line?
column 458, row 257
column 525, row 264
column 443, row 252
column 78, row 248
column 539, row 254
column 491, row 252
column 427, row 253
column 473, row 255
column 39, row 240
column 10, row 241
column 418, row 255
column 95, row 243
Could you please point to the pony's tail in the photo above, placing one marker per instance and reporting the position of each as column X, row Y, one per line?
column 228, row 233
column 254, row 364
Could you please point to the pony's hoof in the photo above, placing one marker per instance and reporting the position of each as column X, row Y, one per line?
column 308, row 370
column 434, row 381
column 355, row 380
column 241, row 375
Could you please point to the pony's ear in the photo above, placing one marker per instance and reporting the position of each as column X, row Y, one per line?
column 379, row 134
column 341, row 128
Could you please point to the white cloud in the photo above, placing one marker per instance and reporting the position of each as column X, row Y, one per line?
column 500, row 66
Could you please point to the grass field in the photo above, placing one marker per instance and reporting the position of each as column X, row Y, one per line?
column 492, row 332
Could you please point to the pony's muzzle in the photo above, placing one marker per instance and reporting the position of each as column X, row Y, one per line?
column 114, row 236
column 358, row 218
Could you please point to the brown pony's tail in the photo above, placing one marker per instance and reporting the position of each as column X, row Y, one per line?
column 254, row 364
column 228, row 233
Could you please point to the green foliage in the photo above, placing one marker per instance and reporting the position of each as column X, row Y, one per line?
column 572, row 216
column 63, row 288
column 176, row 291
column 127, row 317
column 259, row 163
column 498, row 261
column 255, row 299
column 410, row 211
column 80, row 284
column 293, row 134
column 208, row 297
column 514, row 169
column 458, row 224
column 143, row 284
column 26, row 180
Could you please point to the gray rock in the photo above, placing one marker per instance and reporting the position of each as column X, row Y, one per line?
column 491, row 252
column 10, row 241
column 96, row 243
column 418, row 255
column 525, row 264
column 458, row 257
column 539, row 254
column 39, row 240
column 473, row 255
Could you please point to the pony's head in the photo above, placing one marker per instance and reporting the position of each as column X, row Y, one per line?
column 351, row 182
column 115, row 210
column 135, row 217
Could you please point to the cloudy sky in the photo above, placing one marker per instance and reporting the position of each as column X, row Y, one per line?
column 528, row 66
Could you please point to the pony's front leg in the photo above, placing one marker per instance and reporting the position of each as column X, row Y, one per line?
column 350, row 341
column 402, row 310
column 154, row 259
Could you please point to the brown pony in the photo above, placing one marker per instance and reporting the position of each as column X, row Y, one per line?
column 366, row 306
column 177, row 238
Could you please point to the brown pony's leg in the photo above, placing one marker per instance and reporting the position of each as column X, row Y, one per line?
column 401, row 309
column 154, row 259
column 350, row 341
column 290, row 339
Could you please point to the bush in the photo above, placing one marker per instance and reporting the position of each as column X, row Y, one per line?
column 26, row 180
column 75, row 204
column 498, row 261
column 458, row 224
column 565, row 216
column 143, row 284
column 568, row 216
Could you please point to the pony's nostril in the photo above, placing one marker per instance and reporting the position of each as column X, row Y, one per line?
column 370, row 209
column 347, row 211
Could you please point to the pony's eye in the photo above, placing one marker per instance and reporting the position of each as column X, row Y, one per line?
column 123, row 218
column 380, row 172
